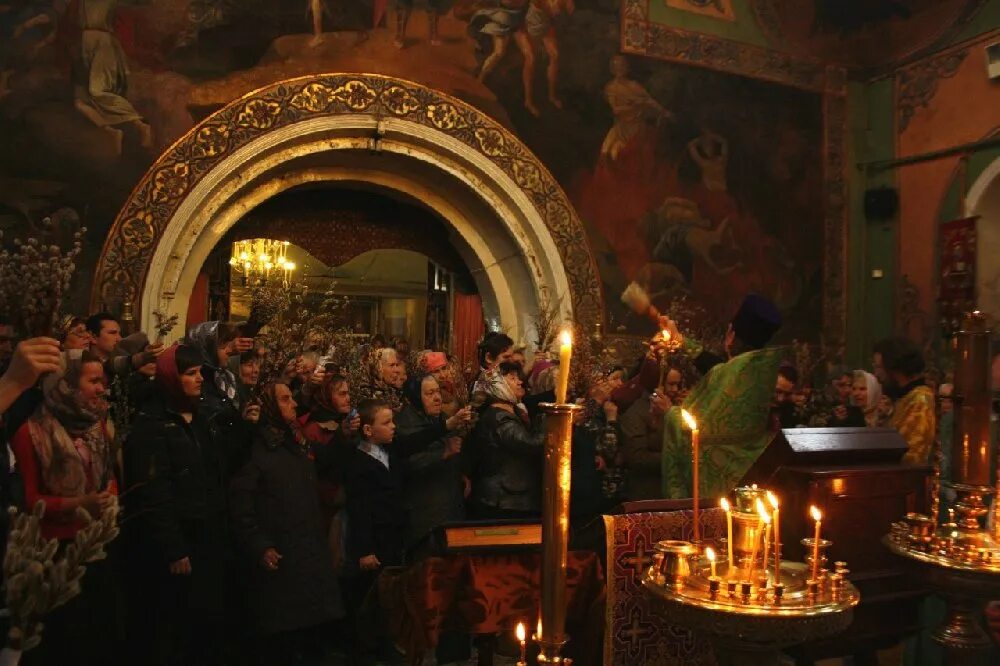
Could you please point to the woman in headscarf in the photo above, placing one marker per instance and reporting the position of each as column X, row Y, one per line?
column 221, row 398
column 507, row 467
column 333, row 423
column 865, row 394
column 176, row 474
column 65, row 458
column 64, row 449
column 454, row 394
column 386, row 375
column 435, row 486
column 279, row 528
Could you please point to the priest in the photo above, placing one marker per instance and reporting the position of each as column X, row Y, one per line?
column 731, row 405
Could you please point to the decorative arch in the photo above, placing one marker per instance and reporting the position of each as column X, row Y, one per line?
column 513, row 223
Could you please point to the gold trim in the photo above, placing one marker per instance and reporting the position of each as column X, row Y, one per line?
column 127, row 254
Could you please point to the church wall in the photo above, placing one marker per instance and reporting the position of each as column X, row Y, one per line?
column 941, row 101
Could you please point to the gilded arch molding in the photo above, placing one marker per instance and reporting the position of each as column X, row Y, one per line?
column 128, row 253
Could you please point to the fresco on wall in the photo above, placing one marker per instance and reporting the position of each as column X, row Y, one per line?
column 861, row 33
column 700, row 185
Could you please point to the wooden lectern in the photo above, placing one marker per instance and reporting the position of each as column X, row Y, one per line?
column 855, row 477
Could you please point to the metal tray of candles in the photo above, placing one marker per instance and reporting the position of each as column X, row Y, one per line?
column 758, row 622
column 796, row 599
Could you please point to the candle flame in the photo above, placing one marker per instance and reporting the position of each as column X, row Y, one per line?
column 814, row 512
column 520, row 631
column 539, row 634
column 724, row 503
column 665, row 334
column 773, row 499
column 762, row 511
column 710, row 554
column 566, row 338
column 691, row 423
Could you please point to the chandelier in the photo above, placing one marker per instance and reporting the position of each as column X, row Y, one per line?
column 260, row 260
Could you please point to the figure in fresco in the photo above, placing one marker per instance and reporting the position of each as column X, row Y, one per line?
column 525, row 21
column 711, row 153
column 435, row 9
column 101, row 76
column 316, row 9
column 629, row 180
column 26, row 28
column 632, row 107
column 538, row 24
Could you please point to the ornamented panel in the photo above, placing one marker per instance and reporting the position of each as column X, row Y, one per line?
column 132, row 241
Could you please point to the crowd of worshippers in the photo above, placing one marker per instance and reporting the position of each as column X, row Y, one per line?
column 255, row 522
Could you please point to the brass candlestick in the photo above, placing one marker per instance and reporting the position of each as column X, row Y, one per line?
column 555, row 529
column 751, row 621
column 960, row 560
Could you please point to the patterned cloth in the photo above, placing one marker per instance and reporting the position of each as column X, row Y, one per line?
column 731, row 404
column 913, row 416
column 637, row 628
column 478, row 594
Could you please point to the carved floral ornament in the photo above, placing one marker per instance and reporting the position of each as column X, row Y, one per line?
column 131, row 243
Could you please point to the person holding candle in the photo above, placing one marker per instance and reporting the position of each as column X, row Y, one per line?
column 732, row 399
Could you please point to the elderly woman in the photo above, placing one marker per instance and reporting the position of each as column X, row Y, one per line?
column 507, row 470
column 454, row 393
column 65, row 458
column 865, row 394
column 386, row 375
column 279, row 528
column 435, row 487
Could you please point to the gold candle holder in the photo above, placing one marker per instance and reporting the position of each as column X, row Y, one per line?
column 555, row 528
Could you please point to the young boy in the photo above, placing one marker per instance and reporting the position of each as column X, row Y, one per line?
column 376, row 517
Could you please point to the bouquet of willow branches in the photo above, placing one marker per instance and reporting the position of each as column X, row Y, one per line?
column 37, row 579
column 164, row 324
column 35, row 275
column 592, row 362
column 546, row 323
column 268, row 300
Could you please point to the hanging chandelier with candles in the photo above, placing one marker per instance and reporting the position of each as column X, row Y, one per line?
column 260, row 260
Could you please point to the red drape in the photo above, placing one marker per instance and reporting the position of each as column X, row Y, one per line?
column 198, row 305
column 468, row 327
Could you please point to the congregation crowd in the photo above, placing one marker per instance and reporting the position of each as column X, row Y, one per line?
column 257, row 517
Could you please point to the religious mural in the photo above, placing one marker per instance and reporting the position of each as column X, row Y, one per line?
column 861, row 33
column 699, row 185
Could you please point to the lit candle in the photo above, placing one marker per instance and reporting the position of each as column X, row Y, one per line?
column 756, row 540
column 538, row 634
column 710, row 554
column 524, row 644
column 765, row 516
column 817, row 516
column 724, row 503
column 695, row 462
column 773, row 499
column 565, row 352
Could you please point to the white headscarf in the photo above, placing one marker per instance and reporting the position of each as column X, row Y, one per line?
column 874, row 388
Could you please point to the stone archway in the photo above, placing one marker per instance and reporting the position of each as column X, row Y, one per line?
column 510, row 220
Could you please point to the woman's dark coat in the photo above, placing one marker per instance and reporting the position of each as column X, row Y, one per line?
column 275, row 504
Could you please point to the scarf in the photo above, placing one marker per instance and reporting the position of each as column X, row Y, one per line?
column 874, row 391
column 492, row 384
column 169, row 365
column 205, row 336
column 273, row 427
column 376, row 388
column 70, row 439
